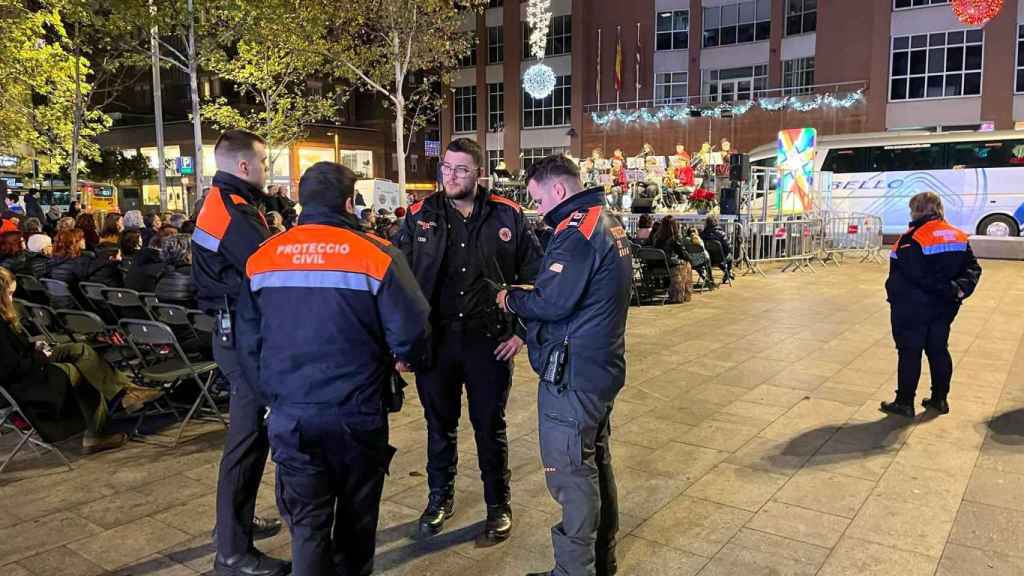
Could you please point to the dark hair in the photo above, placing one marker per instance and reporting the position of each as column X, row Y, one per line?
column 131, row 241
column 163, row 232
column 551, row 167
column 31, row 226
column 11, row 244
column 646, row 221
column 235, row 142
column 148, row 219
column 668, row 230
column 86, row 222
column 110, row 226
column 327, row 185
column 467, row 146
column 187, row 227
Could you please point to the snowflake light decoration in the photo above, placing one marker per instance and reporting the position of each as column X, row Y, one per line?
column 539, row 79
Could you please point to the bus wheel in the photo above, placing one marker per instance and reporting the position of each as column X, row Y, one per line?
column 998, row 225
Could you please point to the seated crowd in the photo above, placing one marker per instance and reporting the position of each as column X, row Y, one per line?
column 687, row 251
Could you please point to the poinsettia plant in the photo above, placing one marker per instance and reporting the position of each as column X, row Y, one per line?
column 703, row 200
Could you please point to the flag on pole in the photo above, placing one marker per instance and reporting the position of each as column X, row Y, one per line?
column 597, row 87
column 638, row 61
column 618, row 61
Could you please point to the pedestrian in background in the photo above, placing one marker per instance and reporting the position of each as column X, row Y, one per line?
column 932, row 270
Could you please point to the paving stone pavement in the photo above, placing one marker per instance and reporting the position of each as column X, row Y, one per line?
column 747, row 441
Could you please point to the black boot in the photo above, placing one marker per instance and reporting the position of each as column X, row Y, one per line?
column 440, row 507
column 499, row 525
column 255, row 563
column 940, row 406
column 898, row 409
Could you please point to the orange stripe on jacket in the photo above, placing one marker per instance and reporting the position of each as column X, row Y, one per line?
column 505, row 201
column 585, row 220
column 319, row 247
column 214, row 217
column 938, row 232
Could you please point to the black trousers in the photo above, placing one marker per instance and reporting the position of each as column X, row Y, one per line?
column 245, row 455
column 932, row 338
column 574, row 446
column 466, row 357
column 330, row 477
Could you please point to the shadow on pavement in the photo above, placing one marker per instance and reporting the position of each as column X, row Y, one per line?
column 853, row 440
column 1008, row 428
column 418, row 548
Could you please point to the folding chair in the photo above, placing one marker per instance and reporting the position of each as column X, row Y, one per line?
column 60, row 294
column 717, row 254
column 655, row 274
column 93, row 292
column 203, row 323
column 89, row 328
column 126, row 304
column 27, row 321
column 45, row 321
column 179, row 321
column 165, row 363
column 701, row 265
column 8, row 408
column 30, row 290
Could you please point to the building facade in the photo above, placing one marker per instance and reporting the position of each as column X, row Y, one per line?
column 911, row 63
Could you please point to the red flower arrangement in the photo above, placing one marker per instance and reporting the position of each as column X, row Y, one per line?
column 703, row 200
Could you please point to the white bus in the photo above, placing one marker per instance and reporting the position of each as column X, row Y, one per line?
column 978, row 175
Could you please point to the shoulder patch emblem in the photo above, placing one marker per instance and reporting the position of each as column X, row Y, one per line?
column 505, row 234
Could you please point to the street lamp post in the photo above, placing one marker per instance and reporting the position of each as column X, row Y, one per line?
column 337, row 149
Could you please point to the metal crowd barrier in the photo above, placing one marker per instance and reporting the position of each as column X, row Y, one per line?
column 791, row 241
column 851, row 233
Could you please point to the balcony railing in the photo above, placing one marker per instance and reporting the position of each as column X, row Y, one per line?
column 836, row 90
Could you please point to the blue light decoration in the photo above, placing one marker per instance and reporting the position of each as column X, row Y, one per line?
column 539, row 81
column 681, row 113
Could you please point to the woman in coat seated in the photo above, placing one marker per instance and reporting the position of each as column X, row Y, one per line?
column 63, row 390
column 175, row 283
column 71, row 266
column 669, row 240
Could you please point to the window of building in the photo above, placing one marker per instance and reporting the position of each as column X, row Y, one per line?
column 469, row 59
column 937, row 65
column 531, row 155
column 493, row 157
column 495, row 44
column 671, row 87
column 901, row 4
column 798, row 76
column 465, row 109
column 801, row 16
column 559, row 37
column 496, row 106
column 737, row 23
column 555, row 110
column 735, row 84
column 1020, row 59
column 673, row 30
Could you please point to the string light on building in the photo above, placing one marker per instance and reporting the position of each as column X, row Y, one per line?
column 539, row 80
column 682, row 113
column 976, row 12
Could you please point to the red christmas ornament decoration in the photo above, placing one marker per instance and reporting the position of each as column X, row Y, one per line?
column 976, row 12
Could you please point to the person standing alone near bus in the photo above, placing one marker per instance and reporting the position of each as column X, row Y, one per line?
column 932, row 270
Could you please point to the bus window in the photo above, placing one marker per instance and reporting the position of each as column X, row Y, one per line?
column 845, row 160
column 906, row 157
column 998, row 154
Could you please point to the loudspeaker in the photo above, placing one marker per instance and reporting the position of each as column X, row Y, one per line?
column 739, row 167
column 642, row 205
column 729, row 201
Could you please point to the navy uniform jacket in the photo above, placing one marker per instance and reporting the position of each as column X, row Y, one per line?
column 504, row 238
column 928, row 268
column 582, row 292
column 327, row 310
column 229, row 228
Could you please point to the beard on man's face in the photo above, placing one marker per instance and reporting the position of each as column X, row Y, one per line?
column 460, row 191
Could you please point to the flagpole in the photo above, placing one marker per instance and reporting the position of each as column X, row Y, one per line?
column 598, row 87
column 618, row 64
column 638, row 64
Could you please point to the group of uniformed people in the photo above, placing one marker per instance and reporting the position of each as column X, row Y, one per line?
column 314, row 322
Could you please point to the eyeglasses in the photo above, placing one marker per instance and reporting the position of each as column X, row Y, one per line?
column 458, row 171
